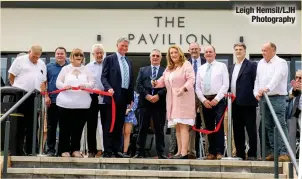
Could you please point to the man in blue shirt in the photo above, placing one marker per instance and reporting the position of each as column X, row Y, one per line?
column 53, row 70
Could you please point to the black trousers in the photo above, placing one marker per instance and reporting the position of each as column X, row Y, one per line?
column 113, row 141
column 52, row 124
column 244, row 117
column 212, row 117
column 159, row 118
column 92, row 123
column 25, row 127
column 197, row 138
column 71, row 123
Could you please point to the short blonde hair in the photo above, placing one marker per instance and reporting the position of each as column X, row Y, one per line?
column 170, row 63
column 76, row 51
column 36, row 49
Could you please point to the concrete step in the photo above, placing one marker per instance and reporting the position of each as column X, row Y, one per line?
column 146, row 164
column 29, row 173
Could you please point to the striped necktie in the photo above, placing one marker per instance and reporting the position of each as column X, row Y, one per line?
column 154, row 73
column 195, row 66
column 207, row 78
column 126, row 73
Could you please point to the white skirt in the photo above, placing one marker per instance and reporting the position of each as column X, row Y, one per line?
column 172, row 122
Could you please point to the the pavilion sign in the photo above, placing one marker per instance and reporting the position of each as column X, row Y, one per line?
column 167, row 38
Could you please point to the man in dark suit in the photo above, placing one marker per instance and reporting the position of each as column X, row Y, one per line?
column 151, row 105
column 242, row 79
column 294, row 109
column 196, row 60
column 117, row 78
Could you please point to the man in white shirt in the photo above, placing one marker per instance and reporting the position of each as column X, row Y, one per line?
column 212, row 84
column 271, row 78
column 97, row 104
column 28, row 72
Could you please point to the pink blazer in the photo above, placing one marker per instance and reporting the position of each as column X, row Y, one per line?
column 183, row 106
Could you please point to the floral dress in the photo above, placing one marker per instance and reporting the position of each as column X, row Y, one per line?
column 131, row 115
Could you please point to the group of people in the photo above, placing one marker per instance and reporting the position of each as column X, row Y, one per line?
column 185, row 93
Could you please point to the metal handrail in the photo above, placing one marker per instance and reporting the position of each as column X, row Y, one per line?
column 7, row 130
column 281, row 132
column 12, row 109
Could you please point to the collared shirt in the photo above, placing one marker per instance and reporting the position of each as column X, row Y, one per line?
column 235, row 76
column 28, row 76
column 157, row 68
column 96, row 70
column 119, row 56
column 53, row 70
column 198, row 61
column 272, row 75
column 219, row 81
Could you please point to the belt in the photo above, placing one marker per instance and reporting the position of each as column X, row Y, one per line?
column 210, row 96
column 275, row 95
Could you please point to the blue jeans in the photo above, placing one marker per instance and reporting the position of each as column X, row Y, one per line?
column 279, row 105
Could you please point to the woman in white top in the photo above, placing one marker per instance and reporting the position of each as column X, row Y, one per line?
column 73, row 104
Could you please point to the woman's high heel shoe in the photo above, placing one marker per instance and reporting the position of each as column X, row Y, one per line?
column 178, row 156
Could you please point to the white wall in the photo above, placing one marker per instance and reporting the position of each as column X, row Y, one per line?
column 78, row 28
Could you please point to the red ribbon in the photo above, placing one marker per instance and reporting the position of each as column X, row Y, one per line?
column 104, row 93
column 220, row 121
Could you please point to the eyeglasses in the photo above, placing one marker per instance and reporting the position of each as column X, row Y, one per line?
column 78, row 55
column 155, row 56
column 298, row 77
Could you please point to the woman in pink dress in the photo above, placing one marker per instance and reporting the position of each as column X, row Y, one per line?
column 179, row 80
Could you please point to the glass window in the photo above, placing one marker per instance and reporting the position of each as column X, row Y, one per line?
column 289, row 72
column 4, row 69
column 53, row 59
column 225, row 61
column 298, row 65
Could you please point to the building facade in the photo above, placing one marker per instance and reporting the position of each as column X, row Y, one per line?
column 148, row 25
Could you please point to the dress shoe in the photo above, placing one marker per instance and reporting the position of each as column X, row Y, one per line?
column 284, row 158
column 219, row 156
column 138, row 156
column 210, row 157
column 270, row 157
column 50, row 154
column 121, row 155
column 91, row 155
column 107, row 155
column 162, row 156
column 191, row 156
column 99, row 154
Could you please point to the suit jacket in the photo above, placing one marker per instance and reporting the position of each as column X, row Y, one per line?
column 2, row 82
column 297, row 95
column 179, row 107
column 111, row 78
column 144, row 87
column 245, row 83
column 202, row 60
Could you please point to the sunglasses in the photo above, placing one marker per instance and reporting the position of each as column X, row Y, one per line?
column 78, row 55
column 298, row 77
column 155, row 56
